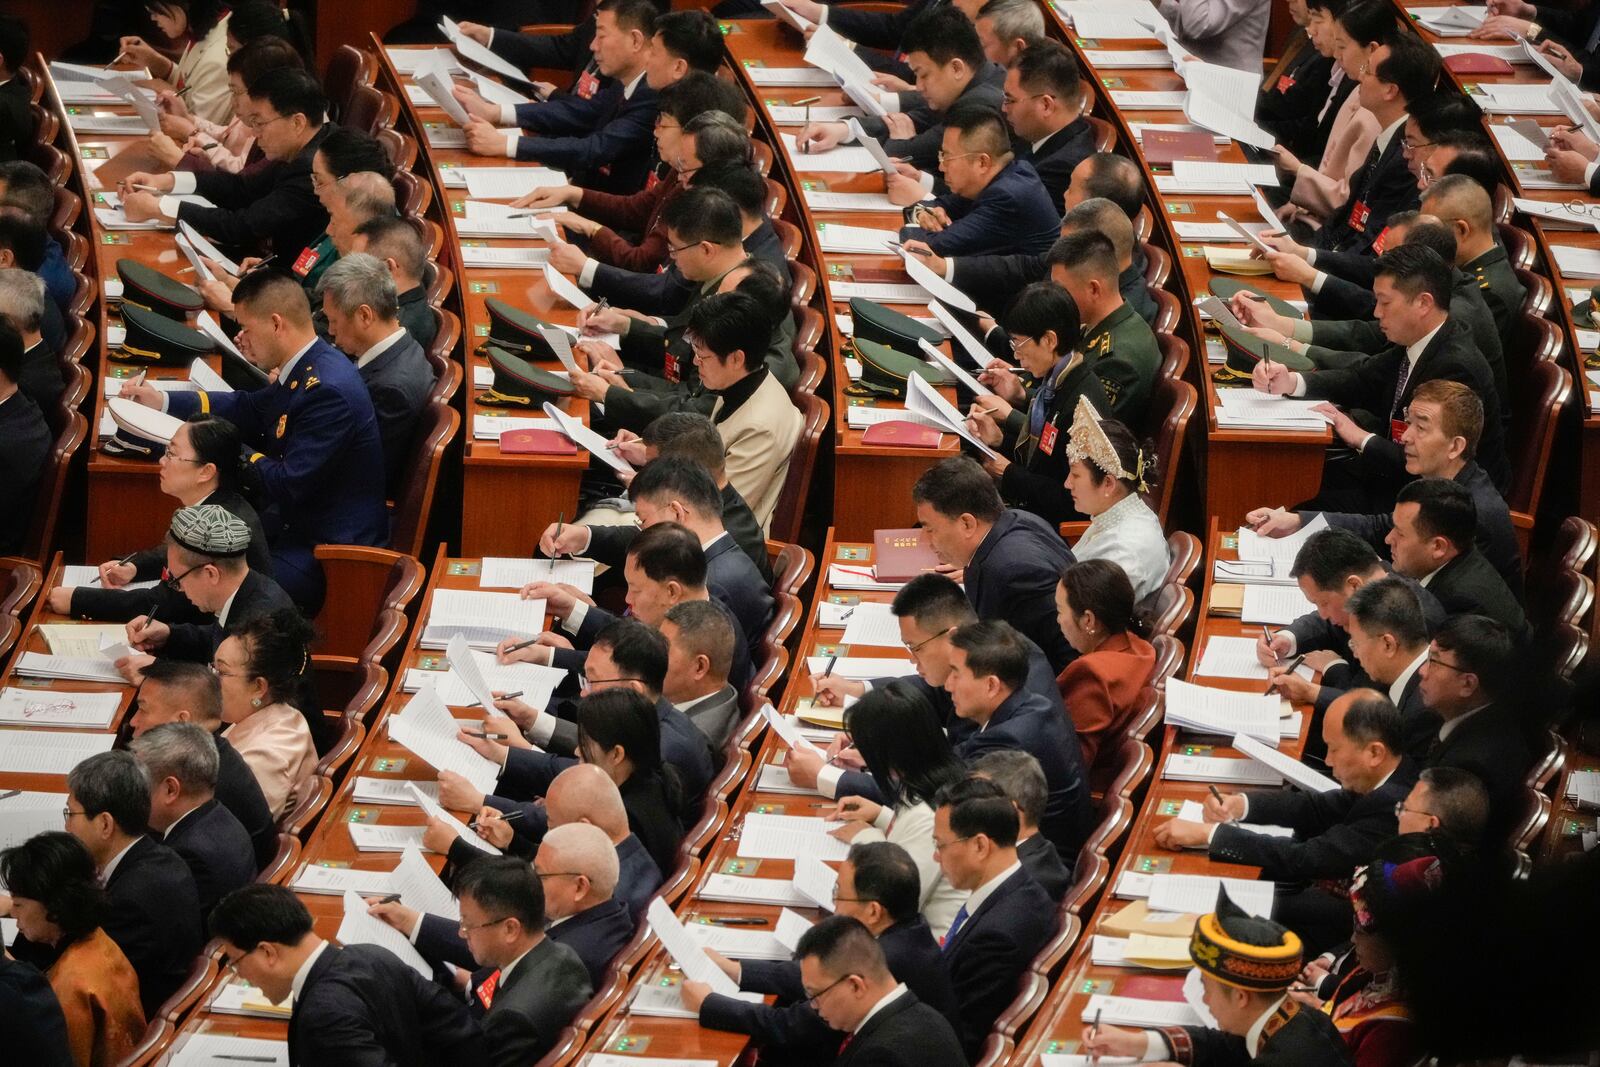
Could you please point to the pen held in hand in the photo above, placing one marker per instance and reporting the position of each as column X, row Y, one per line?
column 484, row 735
column 509, row 816
column 391, row 898
column 123, row 562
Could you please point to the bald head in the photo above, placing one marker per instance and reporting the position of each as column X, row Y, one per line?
column 585, row 794
column 1099, row 213
column 580, row 849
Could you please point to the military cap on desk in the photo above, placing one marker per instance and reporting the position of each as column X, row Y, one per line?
column 888, row 327
column 516, row 331
column 141, row 432
column 1228, row 288
column 1244, row 951
column 518, row 383
column 148, row 288
column 1586, row 314
column 209, row 530
column 885, row 372
column 154, row 339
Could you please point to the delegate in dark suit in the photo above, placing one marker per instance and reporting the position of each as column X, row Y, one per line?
column 1032, row 724
column 989, row 952
column 603, row 142
column 715, row 716
column 1058, row 155
column 651, row 814
column 362, row 1007
column 638, row 877
column 41, row 375
column 746, row 593
column 530, row 1007
column 1469, row 585
column 594, row 935
column 1579, row 30
column 559, row 51
column 416, row 316
column 316, row 447
column 904, row 1033
column 1368, row 387
column 1312, row 632
column 398, row 380
column 1041, row 859
column 258, row 595
column 1492, row 745
column 1013, row 575
column 218, row 851
column 922, row 147
column 1013, row 212
column 16, row 120
column 609, row 544
column 1383, row 186
column 25, row 442
column 1334, row 832
column 1296, row 1036
column 1292, row 97
column 32, row 1027
column 274, row 203
column 665, row 292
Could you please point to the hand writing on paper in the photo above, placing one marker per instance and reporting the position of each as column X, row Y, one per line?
column 559, row 598
column 821, row 136
column 1269, row 653
column 1009, row 392
column 1272, row 378
column 596, row 319
column 630, row 446
column 856, row 809
column 1231, row 808
column 1292, row 687
column 1113, row 1041
column 550, row 196
column 803, row 765
column 1561, row 59
column 564, row 539
column 141, row 207
column 394, row 914
column 494, row 829
column 930, row 259
column 1566, row 166
column 981, row 421
column 1574, row 140
column 900, row 126
column 147, row 634
column 831, row 691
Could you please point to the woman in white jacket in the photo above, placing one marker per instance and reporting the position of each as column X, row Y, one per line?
column 899, row 736
column 199, row 75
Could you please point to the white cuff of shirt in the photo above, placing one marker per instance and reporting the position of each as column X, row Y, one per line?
column 950, row 270
column 183, row 182
column 1299, row 385
column 823, row 21
column 1311, row 256
column 508, row 114
column 1301, row 331
column 1362, row 447
column 416, row 928
column 586, row 275
column 1155, row 1046
column 1318, row 282
column 575, row 617
column 542, row 730
column 828, row 781
column 511, row 146
column 168, row 206
column 1588, row 172
column 491, row 38
column 890, row 102
column 1246, row 813
column 925, row 180
column 163, row 397
column 885, row 818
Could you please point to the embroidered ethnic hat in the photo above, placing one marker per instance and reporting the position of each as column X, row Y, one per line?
column 1087, row 440
column 209, row 530
column 518, row 383
column 1243, row 951
column 148, row 288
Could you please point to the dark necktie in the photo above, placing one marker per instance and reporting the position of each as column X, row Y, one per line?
column 1400, row 384
column 950, row 934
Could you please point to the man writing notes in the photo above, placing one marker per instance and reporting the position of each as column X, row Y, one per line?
column 313, row 433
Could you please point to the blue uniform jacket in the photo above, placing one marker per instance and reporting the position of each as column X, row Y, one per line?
column 315, row 449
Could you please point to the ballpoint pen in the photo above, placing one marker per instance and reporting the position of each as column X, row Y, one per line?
column 1094, row 1032
column 123, row 562
column 1290, row 669
column 392, row 898
column 734, row 921
column 831, row 660
column 484, row 735
column 509, row 816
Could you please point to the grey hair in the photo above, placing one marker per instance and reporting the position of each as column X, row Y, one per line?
column 719, row 138
column 361, row 278
column 179, row 750
column 22, row 299
column 113, row 782
column 367, row 194
column 586, row 850
column 1020, row 778
column 1012, row 19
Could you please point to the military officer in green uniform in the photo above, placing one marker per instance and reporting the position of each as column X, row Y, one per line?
column 1117, row 343
column 1466, row 207
column 1247, row 965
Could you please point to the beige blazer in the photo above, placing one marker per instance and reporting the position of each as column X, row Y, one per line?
column 758, row 439
column 276, row 743
column 1323, row 189
column 203, row 71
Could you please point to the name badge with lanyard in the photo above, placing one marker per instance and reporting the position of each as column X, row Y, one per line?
column 588, row 83
column 1047, row 437
column 1285, row 83
column 306, row 260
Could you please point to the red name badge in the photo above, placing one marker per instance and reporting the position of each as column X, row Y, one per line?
column 669, row 368
column 652, row 181
column 1396, row 428
column 307, row 259
column 1285, row 83
column 1380, row 242
column 588, row 83
column 1047, row 439
column 1358, row 216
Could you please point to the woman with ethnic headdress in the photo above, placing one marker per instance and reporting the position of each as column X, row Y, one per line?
column 1043, row 325
column 262, row 668
column 1110, row 471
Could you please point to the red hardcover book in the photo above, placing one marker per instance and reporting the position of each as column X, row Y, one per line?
column 536, row 443
column 901, row 555
column 1165, row 146
column 900, row 433
column 1476, row 63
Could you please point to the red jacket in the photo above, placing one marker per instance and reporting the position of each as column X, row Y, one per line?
column 639, row 213
column 1101, row 690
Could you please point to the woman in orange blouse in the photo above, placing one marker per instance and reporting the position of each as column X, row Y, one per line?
column 1094, row 608
column 57, row 900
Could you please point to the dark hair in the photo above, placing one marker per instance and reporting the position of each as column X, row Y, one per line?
column 624, row 717
column 1330, row 556
column 1415, row 270
column 1375, row 718
column 763, row 282
column 681, row 478
column 347, row 151
column 1478, row 162
column 1100, row 586
column 260, row 56
column 24, row 235
column 259, row 913
column 115, row 784
column 732, row 322
column 1132, row 456
column 1044, row 307
column 203, row 689
column 943, row 34
column 720, row 136
column 639, row 651
column 203, row 15
column 692, row 36
column 1435, row 235
column 688, row 434
column 291, row 91
column 1445, row 111
column 391, row 237
column 843, row 944
column 1333, row 7
column 886, row 874
column 668, row 552
column 15, row 40
column 632, row 14
column 1048, row 66
column 958, row 486
column 1397, row 905
column 1020, row 776
column 1368, row 22
column 1481, row 647
column 1116, row 178
column 253, row 21
column 1411, row 66
column 699, row 91
column 55, row 869
column 1459, row 800
column 736, row 177
column 982, row 128
column 278, row 645
column 217, row 441
column 28, row 188
column 506, row 887
column 1389, row 606
column 933, row 600
column 994, row 648
column 1444, row 509
column 280, row 292
column 1088, row 252
column 902, row 741
column 706, row 630
column 10, row 352
column 704, row 215
column 980, row 806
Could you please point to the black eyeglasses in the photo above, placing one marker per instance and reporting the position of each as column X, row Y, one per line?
column 811, row 1001
column 1435, row 661
column 175, row 581
column 914, row 649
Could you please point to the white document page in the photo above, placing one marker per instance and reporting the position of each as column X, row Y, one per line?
column 1241, row 174
column 1246, row 407
column 952, row 368
column 587, row 439
column 463, row 666
column 1274, row 605
column 788, row 837
column 490, row 427
column 884, row 292
column 941, row 289
column 1517, row 99
column 1152, row 100
column 783, row 13
column 336, row 881
column 371, row 837
column 845, row 159
column 1135, row 1011
column 1140, row 58
column 1235, row 657
column 565, row 289
column 733, row 889
column 370, row 790
column 1197, row 893
column 477, row 53
column 800, row 116
column 482, row 618
column 561, row 343
column 840, row 237
column 818, row 200
column 509, row 258
column 507, row 183
column 816, row 881
column 774, row 778
column 220, row 1050
column 433, row 810
column 42, row 707
column 485, row 218
column 426, row 727
column 206, row 248
column 67, row 668
column 1292, row 769
column 49, row 751
column 974, row 347
column 862, row 667
column 874, row 149
column 1577, row 262
column 872, row 624
column 787, row 729
column 359, row 928
column 438, row 89
column 213, row 329
column 1222, row 769
column 654, row 1000
column 1203, row 110
column 790, row 77
column 419, row 887
column 925, row 400
column 1223, row 711
column 1279, row 551
column 502, row 572
column 828, row 51
column 738, row 943
column 534, row 681
column 685, row 951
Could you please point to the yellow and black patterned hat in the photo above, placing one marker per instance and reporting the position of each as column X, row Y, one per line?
column 1244, row 951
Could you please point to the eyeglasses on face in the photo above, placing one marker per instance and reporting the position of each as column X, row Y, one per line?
column 175, row 581
column 811, row 1001
column 914, row 649
column 1400, row 809
column 941, row 846
column 467, row 928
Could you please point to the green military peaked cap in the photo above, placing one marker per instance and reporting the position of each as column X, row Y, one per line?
column 888, row 327
column 518, row 383
column 517, row 331
column 148, row 288
column 885, row 372
column 156, row 340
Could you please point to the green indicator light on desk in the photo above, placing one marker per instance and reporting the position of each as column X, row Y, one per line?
column 481, row 329
column 1231, row 542
column 458, row 206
